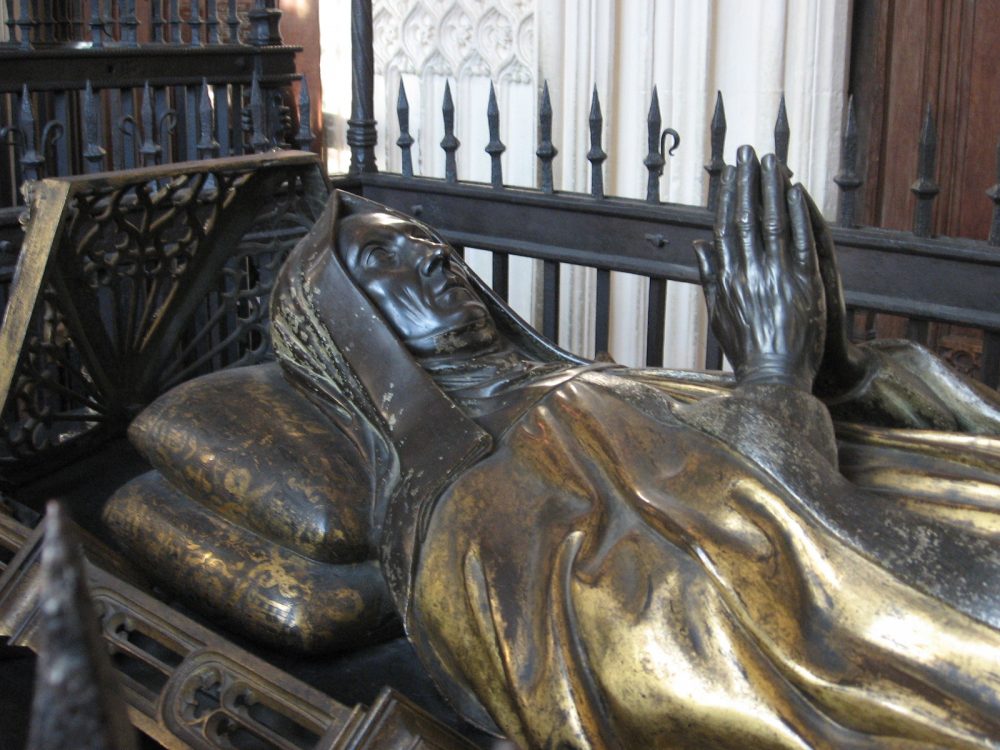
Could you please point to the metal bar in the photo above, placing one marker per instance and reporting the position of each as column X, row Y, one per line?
column 550, row 300
column 150, row 149
column 847, row 178
column 130, row 137
column 93, row 152
column 157, row 24
column 61, row 144
column 405, row 140
column 925, row 188
column 208, row 146
column 495, row 147
column 222, row 119
column 189, row 121
column 25, row 24
column 656, row 310
column 212, row 21
column 717, row 163
column 501, row 274
column 713, row 352
column 194, row 22
column 449, row 143
column 303, row 137
column 9, row 21
column 546, row 151
column 596, row 155
column 654, row 160
column 361, row 134
column 233, row 22
column 174, row 22
column 950, row 280
column 258, row 119
column 129, row 24
column 54, row 68
column 117, row 125
column 32, row 159
column 603, row 313
column 236, row 118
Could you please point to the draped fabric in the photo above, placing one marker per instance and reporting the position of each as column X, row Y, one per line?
column 626, row 571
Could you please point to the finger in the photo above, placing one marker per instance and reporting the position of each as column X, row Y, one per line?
column 803, row 241
column 748, row 206
column 824, row 244
column 726, row 238
column 706, row 268
column 774, row 227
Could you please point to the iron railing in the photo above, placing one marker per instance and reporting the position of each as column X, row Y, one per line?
column 98, row 86
column 928, row 280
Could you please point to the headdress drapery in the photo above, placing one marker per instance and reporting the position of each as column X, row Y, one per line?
column 331, row 338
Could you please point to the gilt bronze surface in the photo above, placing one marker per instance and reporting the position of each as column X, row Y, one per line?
column 587, row 555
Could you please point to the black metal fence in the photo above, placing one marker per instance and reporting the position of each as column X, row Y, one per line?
column 91, row 86
column 928, row 280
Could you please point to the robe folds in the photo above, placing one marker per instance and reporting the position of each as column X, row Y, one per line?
column 625, row 570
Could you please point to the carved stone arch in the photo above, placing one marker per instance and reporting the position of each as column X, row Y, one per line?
column 495, row 37
column 457, row 35
column 420, row 34
column 515, row 71
column 387, row 42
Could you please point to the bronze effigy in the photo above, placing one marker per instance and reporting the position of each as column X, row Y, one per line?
column 587, row 555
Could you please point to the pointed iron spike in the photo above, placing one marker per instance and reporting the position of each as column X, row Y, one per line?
column 654, row 109
column 654, row 160
column 782, row 132
column 26, row 119
column 207, row 145
column 448, row 105
column 405, row 140
column 495, row 147
column 258, row 128
column 546, row 150
column 596, row 155
column 146, row 109
column 76, row 693
column 717, row 131
column 595, row 108
column 847, row 178
column 449, row 143
column 402, row 103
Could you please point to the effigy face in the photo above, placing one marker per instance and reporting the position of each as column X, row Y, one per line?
column 586, row 555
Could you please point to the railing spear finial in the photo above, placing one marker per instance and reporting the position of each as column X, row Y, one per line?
column 93, row 152
column 596, row 155
column 449, row 143
column 258, row 117
column 847, row 179
column 714, row 167
column 208, row 146
column 495, row 147
column 546, row 150
column 924, row 187
column 654, row 160
column 405, row 140
column 782, row 133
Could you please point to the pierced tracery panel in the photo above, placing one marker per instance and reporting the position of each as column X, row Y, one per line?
column 151, row 280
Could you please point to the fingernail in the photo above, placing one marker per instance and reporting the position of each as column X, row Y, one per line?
column 768, row 162
column 745, row 153
column 729, row 173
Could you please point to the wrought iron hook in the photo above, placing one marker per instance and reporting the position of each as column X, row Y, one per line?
column 663, row 141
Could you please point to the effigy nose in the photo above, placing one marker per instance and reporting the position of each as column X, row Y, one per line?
column 437, row 257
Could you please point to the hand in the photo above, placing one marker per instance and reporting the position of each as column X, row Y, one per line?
column 761, row 276
column 844, row 364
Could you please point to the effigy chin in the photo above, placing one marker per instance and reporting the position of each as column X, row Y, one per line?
column 583, row 554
